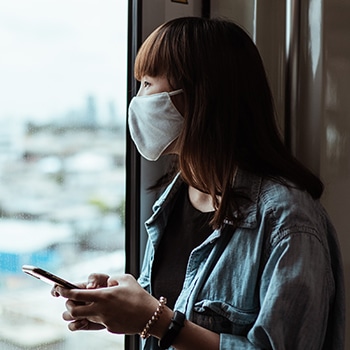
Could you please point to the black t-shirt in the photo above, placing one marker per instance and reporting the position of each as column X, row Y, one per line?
column 187, row 228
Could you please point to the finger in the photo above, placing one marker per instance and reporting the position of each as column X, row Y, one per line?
column 97, row 280
column 125, row 279
column 54, row 292
column 84, row 325
column 77, row 309
column 78, row 325
column 112, row 281
column 67, row 316
column 56, row 289
column 86, row 296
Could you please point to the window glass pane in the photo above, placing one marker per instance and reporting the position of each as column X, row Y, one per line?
column 62, row 147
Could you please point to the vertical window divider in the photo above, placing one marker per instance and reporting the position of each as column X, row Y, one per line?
column 132, row 200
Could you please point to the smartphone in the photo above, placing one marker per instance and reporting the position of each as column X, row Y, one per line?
column 47, row 277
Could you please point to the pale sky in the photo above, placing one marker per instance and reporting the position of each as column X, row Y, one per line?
column 54, row 53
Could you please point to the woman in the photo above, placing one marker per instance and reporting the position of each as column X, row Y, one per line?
column 238, row 243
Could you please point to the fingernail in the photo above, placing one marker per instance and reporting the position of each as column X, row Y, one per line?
column 54, row 292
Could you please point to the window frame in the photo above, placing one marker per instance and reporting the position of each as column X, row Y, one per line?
column 132, row 191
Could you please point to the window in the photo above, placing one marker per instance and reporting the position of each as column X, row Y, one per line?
column 62, row 160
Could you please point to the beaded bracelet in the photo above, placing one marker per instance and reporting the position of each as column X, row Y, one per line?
column 145, row 332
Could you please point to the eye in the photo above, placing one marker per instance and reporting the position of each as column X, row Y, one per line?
column 146, row 84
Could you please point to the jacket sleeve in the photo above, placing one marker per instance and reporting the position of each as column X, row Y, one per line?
column 145, row 275
column 295, row 292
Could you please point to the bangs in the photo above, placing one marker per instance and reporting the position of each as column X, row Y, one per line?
column 153, row 58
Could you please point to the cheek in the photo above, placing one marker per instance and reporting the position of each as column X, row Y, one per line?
column 141, row 91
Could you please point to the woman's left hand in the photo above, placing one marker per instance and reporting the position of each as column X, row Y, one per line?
column 121, row 307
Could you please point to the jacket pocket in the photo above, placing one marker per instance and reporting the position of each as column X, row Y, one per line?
column 221, row 317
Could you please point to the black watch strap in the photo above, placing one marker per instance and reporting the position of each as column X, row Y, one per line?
column 177, row 322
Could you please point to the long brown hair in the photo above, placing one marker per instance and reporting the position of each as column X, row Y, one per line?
column 229, row 117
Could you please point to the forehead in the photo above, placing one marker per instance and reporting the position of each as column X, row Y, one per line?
column 153, row 58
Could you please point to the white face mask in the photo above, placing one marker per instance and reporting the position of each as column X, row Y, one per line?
column 154, row 123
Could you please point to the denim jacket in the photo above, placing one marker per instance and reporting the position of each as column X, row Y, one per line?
column 274, row 282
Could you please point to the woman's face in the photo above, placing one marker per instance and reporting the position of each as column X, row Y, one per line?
column 153, row 85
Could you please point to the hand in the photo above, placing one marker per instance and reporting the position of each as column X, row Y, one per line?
column 94, row 281
column 122, row 306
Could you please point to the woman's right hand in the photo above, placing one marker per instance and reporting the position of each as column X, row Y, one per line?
column 95, row 281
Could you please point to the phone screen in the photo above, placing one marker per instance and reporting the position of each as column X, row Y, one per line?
column 47, row 277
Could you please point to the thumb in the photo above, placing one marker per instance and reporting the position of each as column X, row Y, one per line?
column 112, row 282
column 96, row 280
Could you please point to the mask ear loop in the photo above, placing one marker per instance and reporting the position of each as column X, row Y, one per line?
column 175, row 92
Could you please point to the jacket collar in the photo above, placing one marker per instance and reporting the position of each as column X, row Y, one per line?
column 248, row 184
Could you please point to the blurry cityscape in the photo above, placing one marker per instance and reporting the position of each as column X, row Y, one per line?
column 61, row 208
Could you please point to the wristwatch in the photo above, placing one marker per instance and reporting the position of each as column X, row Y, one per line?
column 177, row 322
